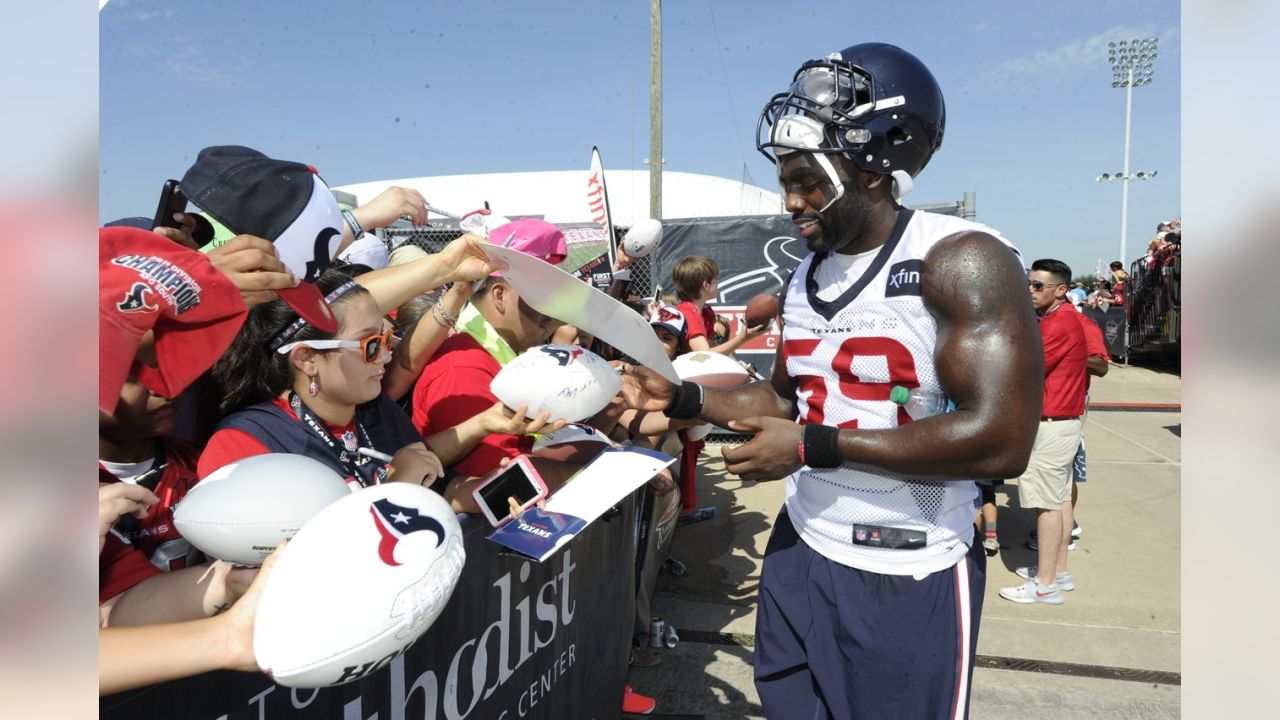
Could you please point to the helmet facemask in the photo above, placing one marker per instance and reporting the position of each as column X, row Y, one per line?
column 828, row 110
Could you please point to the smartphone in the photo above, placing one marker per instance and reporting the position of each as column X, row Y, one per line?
column 519, row 480
column 171, row 201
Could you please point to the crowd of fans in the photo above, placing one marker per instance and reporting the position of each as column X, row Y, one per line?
column 272, row 320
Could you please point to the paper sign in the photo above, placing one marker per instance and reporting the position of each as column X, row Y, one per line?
column 606, row 480
column 555, row 293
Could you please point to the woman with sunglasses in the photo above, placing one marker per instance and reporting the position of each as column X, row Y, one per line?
column 291, row 388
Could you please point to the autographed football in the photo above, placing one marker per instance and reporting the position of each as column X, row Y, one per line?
column 568, row 381
column 713, row 370
column 642, row 238
column 573, row 443
column 362, row 580
column 243, row 510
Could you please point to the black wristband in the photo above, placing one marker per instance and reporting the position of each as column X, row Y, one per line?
column 352, row 224
column 686, row 402
column 821, row 446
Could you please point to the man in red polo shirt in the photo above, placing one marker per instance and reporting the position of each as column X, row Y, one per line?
column 1046, row 484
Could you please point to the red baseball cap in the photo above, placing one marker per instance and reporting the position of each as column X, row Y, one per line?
column 148, row 282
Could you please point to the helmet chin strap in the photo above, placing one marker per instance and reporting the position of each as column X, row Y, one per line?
column 902, row 183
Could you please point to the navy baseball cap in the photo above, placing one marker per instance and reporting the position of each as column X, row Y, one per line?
column 278, row 200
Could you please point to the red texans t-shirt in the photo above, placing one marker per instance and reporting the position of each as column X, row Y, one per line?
column 453, row 388
column 156, row 536
column 698, row 323
column 1065, row 356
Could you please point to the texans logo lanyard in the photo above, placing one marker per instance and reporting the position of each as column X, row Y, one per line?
column 362, row 468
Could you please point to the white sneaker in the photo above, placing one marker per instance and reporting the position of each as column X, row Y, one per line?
column 1063, row 580
column 1076, row 531
column 1032, row 591
column 991, row 546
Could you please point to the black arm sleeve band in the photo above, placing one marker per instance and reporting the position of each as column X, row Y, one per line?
column 821, row 446
column 686, row 402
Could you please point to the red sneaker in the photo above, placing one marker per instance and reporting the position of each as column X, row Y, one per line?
column 635, row 703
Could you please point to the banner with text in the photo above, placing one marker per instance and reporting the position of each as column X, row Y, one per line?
column 756, row 254
column 518, row 639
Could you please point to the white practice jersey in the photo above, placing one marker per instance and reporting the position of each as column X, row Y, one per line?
column 846, row 356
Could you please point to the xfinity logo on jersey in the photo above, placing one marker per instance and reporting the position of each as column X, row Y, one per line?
column 904, row 278
column 170, row 282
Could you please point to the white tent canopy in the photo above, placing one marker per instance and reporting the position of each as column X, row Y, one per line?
column 561, row 196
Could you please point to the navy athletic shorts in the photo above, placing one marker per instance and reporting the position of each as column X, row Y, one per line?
column 837, row 642
column 1079, row 470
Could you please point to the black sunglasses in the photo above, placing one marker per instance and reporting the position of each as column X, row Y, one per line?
column 1038, row 286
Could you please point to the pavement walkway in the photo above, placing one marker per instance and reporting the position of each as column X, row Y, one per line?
column 1111, row 651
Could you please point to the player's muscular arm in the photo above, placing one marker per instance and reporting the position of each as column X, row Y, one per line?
column 775, row 397
column 989, row 361
column 644, row 389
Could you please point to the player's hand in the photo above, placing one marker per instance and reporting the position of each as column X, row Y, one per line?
column 644, row 389
column 503, row 421
column 115, row 500
column 183, row 233
column 252, row 265
column 391, row 205
column 773, row 453
column 414, row 464
column 467, row 261
column 238, row 621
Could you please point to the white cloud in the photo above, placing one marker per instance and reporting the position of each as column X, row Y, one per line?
column 1061, row 62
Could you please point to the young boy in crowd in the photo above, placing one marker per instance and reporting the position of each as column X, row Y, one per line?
column 696, row 280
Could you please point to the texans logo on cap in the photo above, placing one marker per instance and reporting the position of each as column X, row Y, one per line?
column 395, row 522
column 666, row 313
column 136, row 299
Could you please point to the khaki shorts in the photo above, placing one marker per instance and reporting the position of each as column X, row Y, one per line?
column 1046, row 484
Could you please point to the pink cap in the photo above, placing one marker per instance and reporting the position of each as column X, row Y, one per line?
column 531, row 236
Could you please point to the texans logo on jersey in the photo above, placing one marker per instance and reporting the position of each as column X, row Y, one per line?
column 564, row 357
column 395, row 522
column 137, row 300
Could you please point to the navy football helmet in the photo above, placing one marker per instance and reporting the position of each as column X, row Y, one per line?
column 874, row 103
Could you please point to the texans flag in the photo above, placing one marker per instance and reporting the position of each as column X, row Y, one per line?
column 395, row 522
column 598, row 203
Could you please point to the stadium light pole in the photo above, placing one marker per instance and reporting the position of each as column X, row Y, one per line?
column 1131, row 62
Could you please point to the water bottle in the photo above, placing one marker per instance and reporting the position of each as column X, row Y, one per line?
column 921, row 403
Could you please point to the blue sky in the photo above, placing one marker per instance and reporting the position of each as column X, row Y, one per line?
column 374, row 90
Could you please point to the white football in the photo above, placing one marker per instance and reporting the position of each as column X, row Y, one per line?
column 642, row 238
column 362, row 580
column 709, row 369
column 243, row 510
column 573, row 443
column 568, row 381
